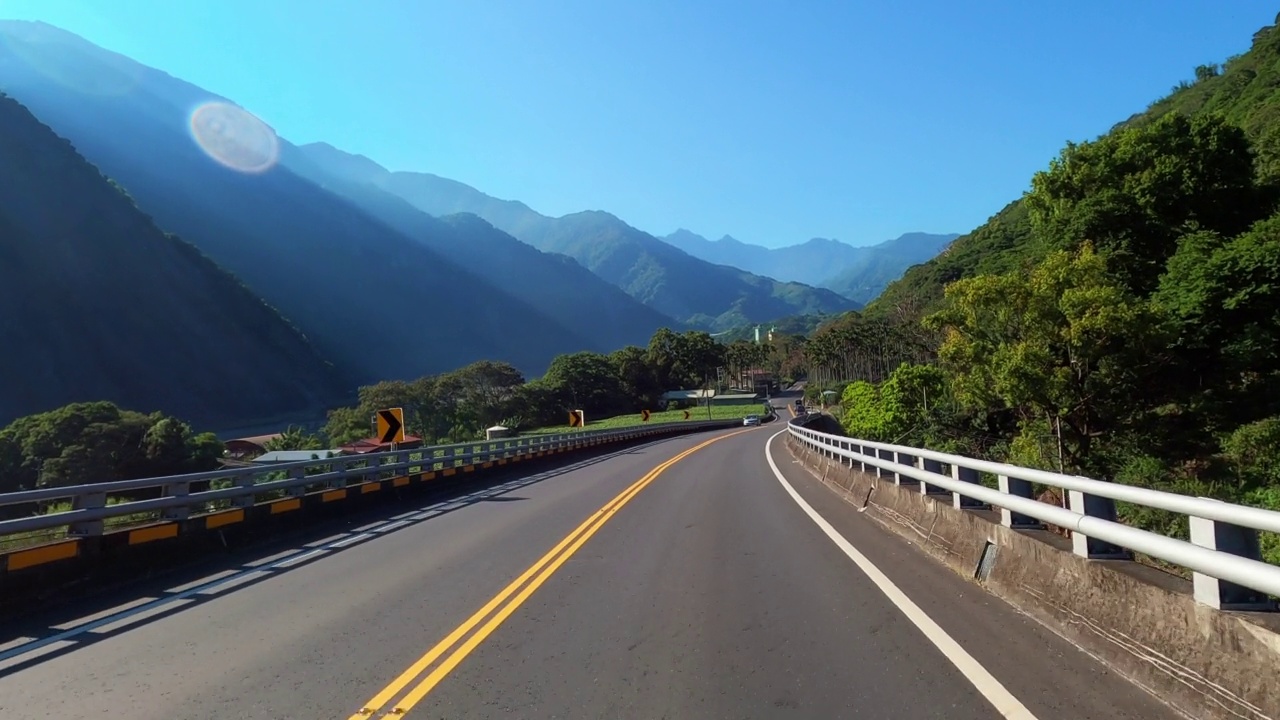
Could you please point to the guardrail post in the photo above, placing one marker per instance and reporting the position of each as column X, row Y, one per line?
column 903, row 459
column 884, row 455
column 372, row 463
column 933, row 466
column 181, row 512
column 87, row 501
column 1228, row 538
column 1093, row 548
column 856, row 449
column 1018, row 488
column 964, row 502
column 300, row 490
column 244, row 481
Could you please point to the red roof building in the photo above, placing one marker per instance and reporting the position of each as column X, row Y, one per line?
column 371, row 445
column 249, row 447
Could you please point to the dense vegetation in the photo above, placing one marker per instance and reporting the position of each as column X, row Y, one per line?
column 100, row 303
column 1239, row 91
column 1119, row 321
column 98, row 442
column 459, row 405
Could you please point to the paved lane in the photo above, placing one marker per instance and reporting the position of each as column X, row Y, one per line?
column 704, row 592
column 317, row 639
column 713, row 596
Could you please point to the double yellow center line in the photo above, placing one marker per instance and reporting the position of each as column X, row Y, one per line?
column 540, row 571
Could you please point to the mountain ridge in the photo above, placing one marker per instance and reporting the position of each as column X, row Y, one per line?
column 663, row 277
column 552, row 284
column 859, row 272
column 133, row 323
column 352, row 283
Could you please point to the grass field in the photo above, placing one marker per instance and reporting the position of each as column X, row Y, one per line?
column 718, row 412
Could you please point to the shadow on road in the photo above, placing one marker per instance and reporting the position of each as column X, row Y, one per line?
column 83, row 621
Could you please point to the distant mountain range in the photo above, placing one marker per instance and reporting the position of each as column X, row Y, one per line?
column 858, row 273
column 315, row 270
column 379, row 303
column 663, row 277
column 98, row 303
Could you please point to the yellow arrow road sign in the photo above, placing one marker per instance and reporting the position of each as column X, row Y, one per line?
column 391, row 425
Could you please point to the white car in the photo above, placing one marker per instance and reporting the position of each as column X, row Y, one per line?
column 751, row 420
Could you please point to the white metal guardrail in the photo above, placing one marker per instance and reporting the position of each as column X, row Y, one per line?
column 1223, row 553
column 178, row 497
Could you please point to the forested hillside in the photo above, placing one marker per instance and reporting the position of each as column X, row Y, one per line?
column 1241, row 91
column 1121, row 320
column 360, row 290
column 99, row 304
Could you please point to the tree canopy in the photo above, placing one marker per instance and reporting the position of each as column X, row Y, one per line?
column 97, row 442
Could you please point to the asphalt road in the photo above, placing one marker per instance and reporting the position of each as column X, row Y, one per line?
column 705, row 593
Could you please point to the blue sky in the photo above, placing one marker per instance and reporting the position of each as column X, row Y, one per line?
column 774, row 122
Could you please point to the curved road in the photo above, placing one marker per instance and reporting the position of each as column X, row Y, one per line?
column 625, row 586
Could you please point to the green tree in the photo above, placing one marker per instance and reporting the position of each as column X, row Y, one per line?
column 637, row 380
column 664, row 359
column 912, row 406
column 167, row 446
column 1064, row 343
column 94, row 442
column 10, row 464
column 1223, row 295
column 205, row 450
column 539, row 403
column 1133, row 193
column 347, row 425
column 478, row 395
column 588, row 381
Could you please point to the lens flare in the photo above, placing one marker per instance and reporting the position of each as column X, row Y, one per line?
column 234, row 137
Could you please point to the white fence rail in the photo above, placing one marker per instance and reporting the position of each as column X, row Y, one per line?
column 1223, row 553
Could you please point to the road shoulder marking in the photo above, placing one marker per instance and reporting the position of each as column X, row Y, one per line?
column 983, row 681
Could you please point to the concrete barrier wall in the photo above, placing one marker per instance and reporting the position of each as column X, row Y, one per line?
column 1141, row 622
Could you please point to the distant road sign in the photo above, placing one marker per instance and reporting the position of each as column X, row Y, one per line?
column 391, row 425
column 686, row 414
column 644, row 415
column 577, row 418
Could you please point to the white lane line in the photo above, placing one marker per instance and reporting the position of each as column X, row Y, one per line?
column 299, row 558
column 8, row 662
column 99, row 615
column 392, row 526
column 983, row 681
column 138, row 617
column 352, row 539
